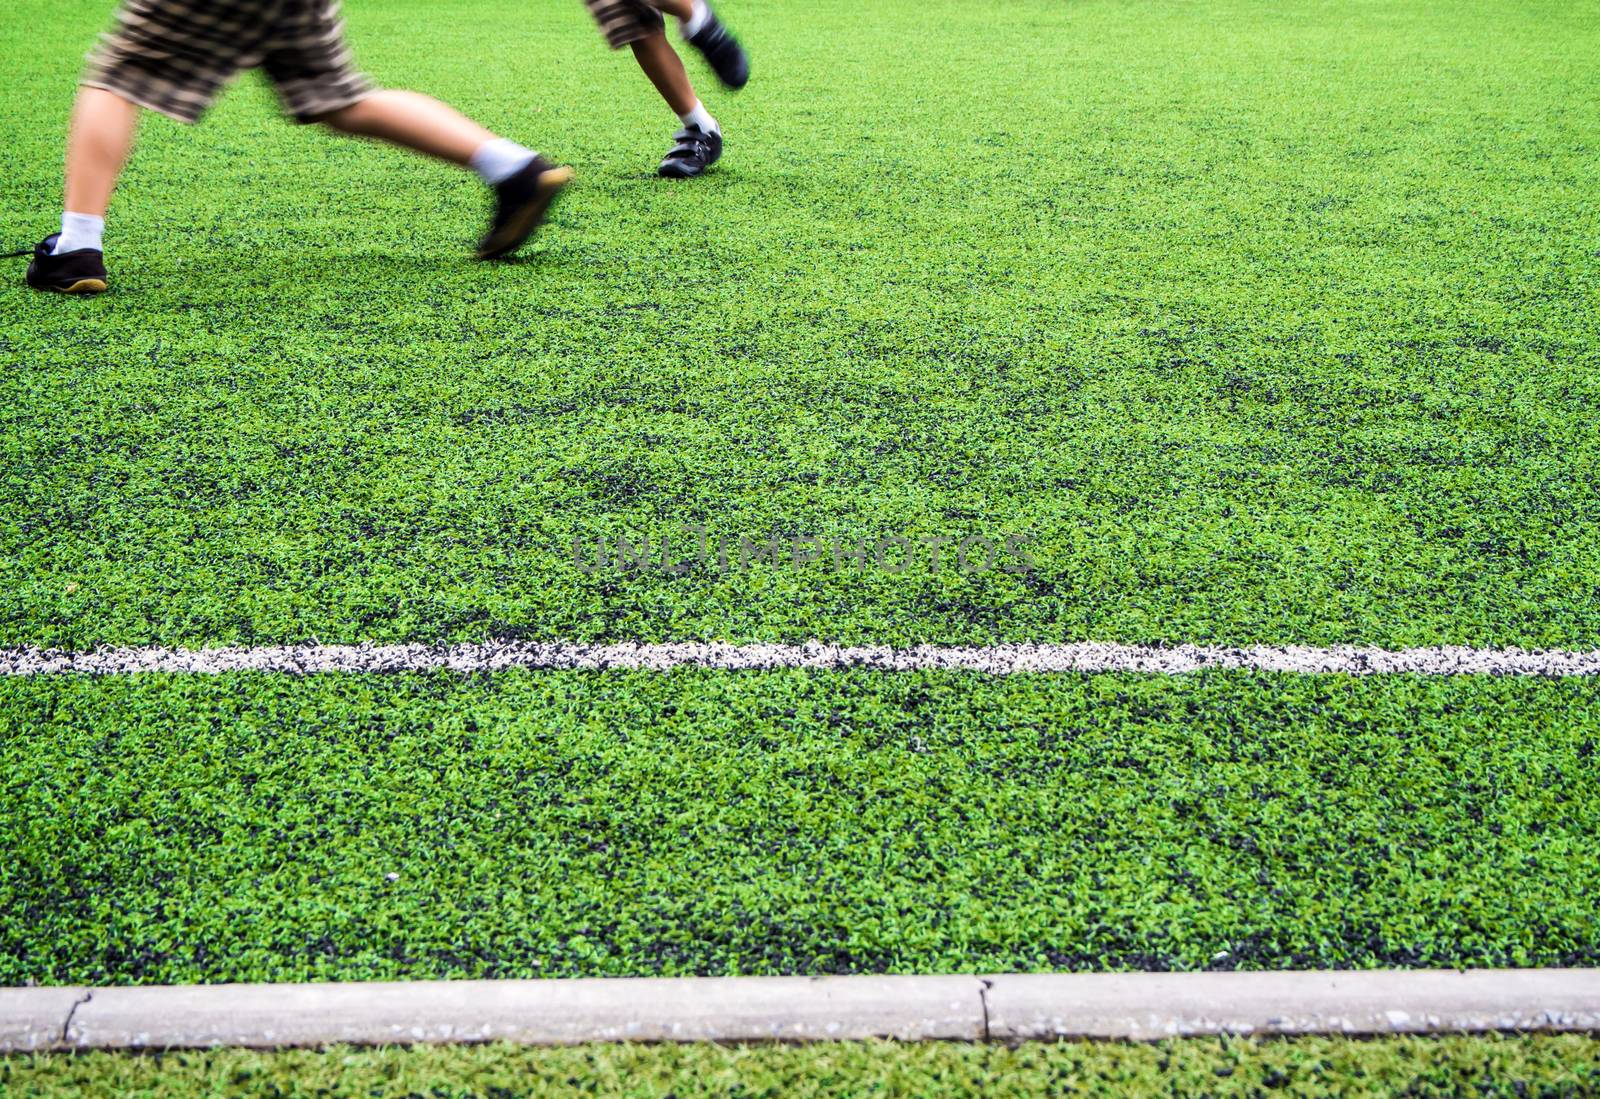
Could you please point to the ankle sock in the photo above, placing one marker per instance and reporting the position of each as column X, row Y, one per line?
column 701, row 119
column 698, row 18
column 498, row 160
column 80, row 231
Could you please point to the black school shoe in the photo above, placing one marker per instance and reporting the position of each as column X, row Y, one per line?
column 695, row 151
column 82, row 271
column 520, row 205
column 722, row 50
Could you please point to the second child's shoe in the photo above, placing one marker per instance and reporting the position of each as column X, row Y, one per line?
column 82, row 271
column 520, row 204
column 722, row 50
column 695, row 151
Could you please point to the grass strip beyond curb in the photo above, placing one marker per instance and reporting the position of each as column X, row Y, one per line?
column 1485, row 1067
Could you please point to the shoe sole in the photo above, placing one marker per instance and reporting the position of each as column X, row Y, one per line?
column 81, row 286
column 521, row 226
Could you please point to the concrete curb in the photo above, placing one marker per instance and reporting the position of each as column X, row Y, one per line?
column 1147, row 1006
column 1008, row 1008
column 34, row 1019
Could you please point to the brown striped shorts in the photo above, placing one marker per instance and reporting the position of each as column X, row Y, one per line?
column 625, row 21
column 174, row 56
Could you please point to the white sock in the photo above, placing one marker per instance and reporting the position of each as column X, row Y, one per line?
column 80, row 231
column 698, row 18
column 498, row 160
column 701, row 118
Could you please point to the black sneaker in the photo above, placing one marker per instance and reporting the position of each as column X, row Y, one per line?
column 520, row 205
column 82, row 271
column 722, row 50
column 695, row 151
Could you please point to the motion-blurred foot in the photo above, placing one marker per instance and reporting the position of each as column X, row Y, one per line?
column 521, row 203
column 722, row 51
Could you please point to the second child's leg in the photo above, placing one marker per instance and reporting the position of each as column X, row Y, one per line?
column 705, row 32
column 699, row 144
column 682, row 9
column 664, row 67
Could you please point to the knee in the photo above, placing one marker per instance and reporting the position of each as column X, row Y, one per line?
column 345, row 119
column 649, row 44
column 352, row 118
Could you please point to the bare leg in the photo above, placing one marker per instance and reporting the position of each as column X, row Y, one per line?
column 98, row 144
column 664, row 67
column 683, row 9
column 424, row 124
column 414, row 121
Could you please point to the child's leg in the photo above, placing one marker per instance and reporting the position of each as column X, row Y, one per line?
column 309, row 64
column 161, row 56
column 683, row 9
column 692, row 15
column 98, row 144
column 425, row 125
column 524, row 183
column 316, row 80
column 702, row 30
column 414, row 121
column 639, row 25
column 699, row 143
column 664, row 67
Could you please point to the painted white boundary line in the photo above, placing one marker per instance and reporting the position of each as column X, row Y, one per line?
column 1138, row 1006
column 1088, row 656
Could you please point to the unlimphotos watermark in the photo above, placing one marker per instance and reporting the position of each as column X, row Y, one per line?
column 693, row 548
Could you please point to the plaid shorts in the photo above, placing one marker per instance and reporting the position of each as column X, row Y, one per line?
column 174, row 56
column 625, row 21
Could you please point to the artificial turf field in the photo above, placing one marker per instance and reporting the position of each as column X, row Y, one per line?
column 1260, row 322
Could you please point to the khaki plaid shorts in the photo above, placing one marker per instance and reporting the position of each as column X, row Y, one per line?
column 174, row 56
column 625, row 21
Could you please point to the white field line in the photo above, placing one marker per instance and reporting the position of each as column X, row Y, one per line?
column 1002, row 1007
column 1084, row 657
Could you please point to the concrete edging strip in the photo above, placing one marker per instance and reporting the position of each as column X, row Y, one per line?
column 34, row 1019
column 1147, row 1006
column 1008, row 1008
column 553, row 1012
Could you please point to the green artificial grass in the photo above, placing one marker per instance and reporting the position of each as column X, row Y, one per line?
column 1520, row 1067
column 1265, row 321
column 167, row 829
